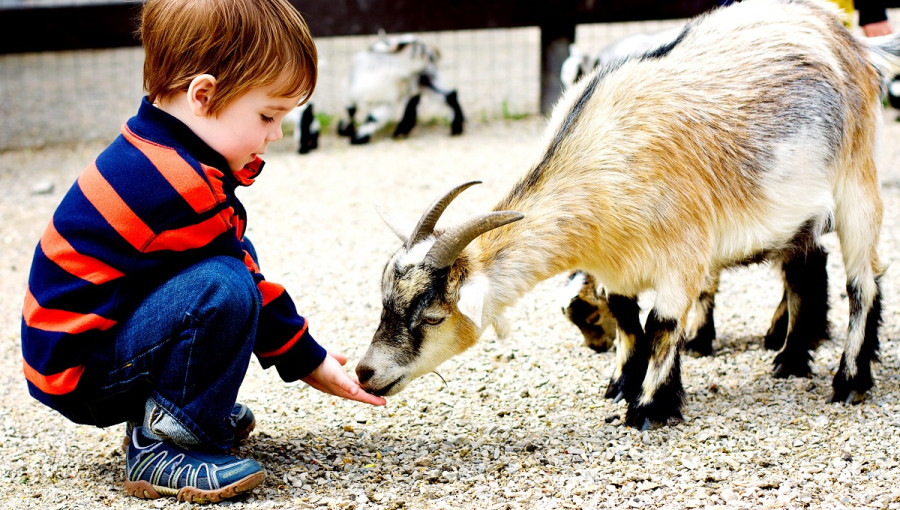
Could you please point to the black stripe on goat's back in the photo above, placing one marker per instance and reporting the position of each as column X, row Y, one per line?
column 666, row 48
column 531, row 179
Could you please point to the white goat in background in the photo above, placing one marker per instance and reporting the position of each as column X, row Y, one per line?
column 391, row 75
column 578, row 64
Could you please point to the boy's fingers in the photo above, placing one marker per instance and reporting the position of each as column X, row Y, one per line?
column 368, row 398
column 339, row 357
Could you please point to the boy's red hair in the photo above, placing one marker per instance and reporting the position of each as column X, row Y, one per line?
column 244, row 44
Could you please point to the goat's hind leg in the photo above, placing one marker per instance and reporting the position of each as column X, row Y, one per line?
column 858, row 221
column 432, row 81
column 703, row 329
column 806, row 292
column 410, row 115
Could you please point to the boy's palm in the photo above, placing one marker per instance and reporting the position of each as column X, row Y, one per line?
column 330, row 377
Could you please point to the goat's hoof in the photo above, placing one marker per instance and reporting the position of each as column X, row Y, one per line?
column 698, row 347
column 783, row 371
column 791, row 366
column 851, row 397
column 773, row 342
column 652, row 416
column 615, row 390
column 651, row 424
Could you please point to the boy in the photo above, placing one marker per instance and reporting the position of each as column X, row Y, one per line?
column 145, row 300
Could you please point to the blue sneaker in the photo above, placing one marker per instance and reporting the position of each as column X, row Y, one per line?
column 243, row 421
column 155, row 469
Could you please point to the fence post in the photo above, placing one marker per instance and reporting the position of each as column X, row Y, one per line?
column 556, row 36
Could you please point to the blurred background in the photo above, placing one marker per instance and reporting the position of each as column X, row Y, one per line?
column 70, row 70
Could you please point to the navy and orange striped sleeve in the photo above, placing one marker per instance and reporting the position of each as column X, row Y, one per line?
column 283, row 339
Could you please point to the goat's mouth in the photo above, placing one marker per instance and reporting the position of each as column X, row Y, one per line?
column 385, row 390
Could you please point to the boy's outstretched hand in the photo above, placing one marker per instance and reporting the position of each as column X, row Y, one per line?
column 330, row 377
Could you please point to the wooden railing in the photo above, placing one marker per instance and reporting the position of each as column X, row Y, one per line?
column 109, row 25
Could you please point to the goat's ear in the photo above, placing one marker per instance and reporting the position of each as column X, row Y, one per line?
column 396, row 227
column 472, row 294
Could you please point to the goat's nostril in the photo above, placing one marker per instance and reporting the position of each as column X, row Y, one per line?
column 364, row 373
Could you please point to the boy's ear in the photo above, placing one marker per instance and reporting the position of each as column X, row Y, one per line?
column 200, row 92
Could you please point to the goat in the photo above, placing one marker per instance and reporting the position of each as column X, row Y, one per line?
column 306, row 128
column 744, row 139
column 586, row 306
column 393, row 72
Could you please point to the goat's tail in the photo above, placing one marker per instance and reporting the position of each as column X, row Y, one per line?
column 885, row 51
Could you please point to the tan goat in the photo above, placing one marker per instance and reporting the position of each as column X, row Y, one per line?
column 744, row 139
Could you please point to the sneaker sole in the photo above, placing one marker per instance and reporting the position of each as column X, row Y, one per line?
column 145, row 490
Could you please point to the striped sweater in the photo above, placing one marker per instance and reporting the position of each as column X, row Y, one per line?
column 157, row 200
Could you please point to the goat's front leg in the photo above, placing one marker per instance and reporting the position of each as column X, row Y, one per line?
column 661, row 394
column 632, row 350
column 587, row 307
column 347, row 127
column 377, row 119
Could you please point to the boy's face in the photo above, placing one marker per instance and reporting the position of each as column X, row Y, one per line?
column 243, row 128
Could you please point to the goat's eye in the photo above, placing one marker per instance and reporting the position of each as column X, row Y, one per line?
column 433, row 321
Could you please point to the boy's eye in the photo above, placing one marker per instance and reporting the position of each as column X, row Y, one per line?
column 267, row 119
column 433, row 321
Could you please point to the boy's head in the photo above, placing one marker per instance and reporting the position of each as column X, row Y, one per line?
column 244, row 44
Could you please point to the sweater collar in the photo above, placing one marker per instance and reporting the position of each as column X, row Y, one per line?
column 156, row 125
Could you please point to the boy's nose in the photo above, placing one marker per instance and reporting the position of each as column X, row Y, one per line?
column 276, row 134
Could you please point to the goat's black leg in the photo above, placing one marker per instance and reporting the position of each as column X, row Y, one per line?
column 308, row 128
column 854, row 375
column 632, row 351
column 410, row 114
column 661, row 394
column 774, row 338
column 806, row 286
column 348, row 127
column 456, row 126
column 704, row 325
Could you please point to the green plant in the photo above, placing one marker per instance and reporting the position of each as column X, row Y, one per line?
column 508, row 115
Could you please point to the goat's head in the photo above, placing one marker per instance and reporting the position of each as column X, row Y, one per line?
column 432, row 306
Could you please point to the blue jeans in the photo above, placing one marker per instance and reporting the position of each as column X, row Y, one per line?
column 187, row 347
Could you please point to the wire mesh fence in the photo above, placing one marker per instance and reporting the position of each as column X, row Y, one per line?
column 75, row 96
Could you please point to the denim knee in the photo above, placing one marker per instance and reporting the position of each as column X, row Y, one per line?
column 223, row 285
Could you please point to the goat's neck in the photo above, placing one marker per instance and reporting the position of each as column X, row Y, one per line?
column 518, row 256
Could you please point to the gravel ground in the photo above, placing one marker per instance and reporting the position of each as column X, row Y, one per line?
column 520, row 422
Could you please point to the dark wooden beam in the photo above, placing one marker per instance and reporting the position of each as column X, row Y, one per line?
column 110, row 25
column 74, row 27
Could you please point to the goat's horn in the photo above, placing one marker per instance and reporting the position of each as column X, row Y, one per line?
column 426, row 224
column 451, row 243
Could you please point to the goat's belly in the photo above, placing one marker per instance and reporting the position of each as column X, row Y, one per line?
column 753, row 239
